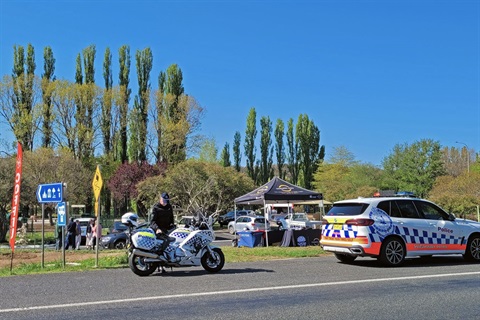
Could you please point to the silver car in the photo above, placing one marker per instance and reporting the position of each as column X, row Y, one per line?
column 248, row 223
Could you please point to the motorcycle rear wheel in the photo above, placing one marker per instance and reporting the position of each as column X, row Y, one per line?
column 140, row 267
column 215, row 262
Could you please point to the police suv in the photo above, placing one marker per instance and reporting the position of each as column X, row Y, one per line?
column 393, row 228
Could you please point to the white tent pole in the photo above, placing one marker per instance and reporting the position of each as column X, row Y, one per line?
column 265, row 216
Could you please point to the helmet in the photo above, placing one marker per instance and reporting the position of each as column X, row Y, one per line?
column 130, row 219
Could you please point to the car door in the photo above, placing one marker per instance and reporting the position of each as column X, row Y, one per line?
column 445, row 236
column 412, row 227
column 241, row 223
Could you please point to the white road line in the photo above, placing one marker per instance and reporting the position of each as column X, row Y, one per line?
column 213, row 293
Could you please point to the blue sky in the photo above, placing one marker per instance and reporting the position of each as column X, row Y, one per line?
column 370, row 74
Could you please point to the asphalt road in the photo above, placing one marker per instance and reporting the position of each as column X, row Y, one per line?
column 310, row 288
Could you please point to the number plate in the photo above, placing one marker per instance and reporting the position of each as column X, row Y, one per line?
column 337, row 226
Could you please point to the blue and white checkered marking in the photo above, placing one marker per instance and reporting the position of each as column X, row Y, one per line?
column 347, row 231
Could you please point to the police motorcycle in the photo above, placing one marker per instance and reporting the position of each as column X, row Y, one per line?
column 183, row 247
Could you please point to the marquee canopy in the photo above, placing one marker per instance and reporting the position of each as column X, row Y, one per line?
column 279, row 191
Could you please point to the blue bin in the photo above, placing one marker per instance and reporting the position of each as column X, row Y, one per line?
column 250, row 238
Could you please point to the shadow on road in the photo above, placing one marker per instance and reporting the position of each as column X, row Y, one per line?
column 189, row 273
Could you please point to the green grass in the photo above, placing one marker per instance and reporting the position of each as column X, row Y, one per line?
column 118, row 259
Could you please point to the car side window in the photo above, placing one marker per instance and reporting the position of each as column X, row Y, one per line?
column 390, row 207
column 407, row 209
column 430, row 211
column 385, row 206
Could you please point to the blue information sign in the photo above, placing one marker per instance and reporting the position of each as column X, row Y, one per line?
column 47, row 193
column 61, row 215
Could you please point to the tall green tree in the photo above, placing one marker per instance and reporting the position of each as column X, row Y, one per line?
column 413, row 167
column 225, row 156
column 292, row 153
column 108, row 130
column 124, row 100
column 144, row 63
column 107, row 102
column 237, row 155
column 47, row 88
column 250, row 150
column 24, row 124
column 86, row 99
column 266, row 150
column 310, row 153
column 279, row 147
column 174, row 109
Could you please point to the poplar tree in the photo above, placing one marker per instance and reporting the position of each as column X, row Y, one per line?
column 292, row 147
column 266, row 150
column 125, row 91
column 250, row 150
column 47, row 108
column 309, row 151
column 144, row 61
column 237, row 155
column 23, row 122
column 107, row 102
column 225, row 156
column 279, row 147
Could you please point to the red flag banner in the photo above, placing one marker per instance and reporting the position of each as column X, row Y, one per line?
column 16, row 197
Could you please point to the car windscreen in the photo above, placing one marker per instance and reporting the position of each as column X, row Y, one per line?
column 347, row 209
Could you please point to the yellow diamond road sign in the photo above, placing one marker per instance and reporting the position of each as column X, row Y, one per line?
column 97, row 183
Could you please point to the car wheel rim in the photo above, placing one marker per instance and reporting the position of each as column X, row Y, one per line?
column 394, row 252
column 475, row 248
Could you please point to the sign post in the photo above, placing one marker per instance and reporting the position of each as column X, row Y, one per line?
column 62, row 222
column 48, row 193
column 97, row 184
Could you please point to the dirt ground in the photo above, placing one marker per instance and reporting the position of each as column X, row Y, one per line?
column 28, row 256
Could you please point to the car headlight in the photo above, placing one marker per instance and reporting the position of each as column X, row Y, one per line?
column 106, row 239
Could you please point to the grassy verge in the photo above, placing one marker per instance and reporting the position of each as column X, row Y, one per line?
column 118, row 259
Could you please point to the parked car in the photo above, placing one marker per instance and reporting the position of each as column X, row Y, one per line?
column 116, row 240
column 298, row 221
column 223, row 220
column 394, row 228
column 118, row 226
column 248, row 223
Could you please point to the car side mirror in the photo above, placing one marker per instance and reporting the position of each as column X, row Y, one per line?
column 451, row 217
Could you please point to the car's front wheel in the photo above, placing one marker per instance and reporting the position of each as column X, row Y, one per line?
column 231, row 229
column 472, row 253
column 392, row 253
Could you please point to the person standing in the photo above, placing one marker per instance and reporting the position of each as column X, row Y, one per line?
column 162, row 215
column 58, row 236
column 78, row 237
column 71, row 231
column 88, row 240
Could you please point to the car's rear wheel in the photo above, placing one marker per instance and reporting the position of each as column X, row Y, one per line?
column 392, row 253
column 472, row 253
column 345, row 258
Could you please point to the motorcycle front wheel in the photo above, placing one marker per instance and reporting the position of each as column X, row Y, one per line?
column 140, row 267
column 213, row 262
